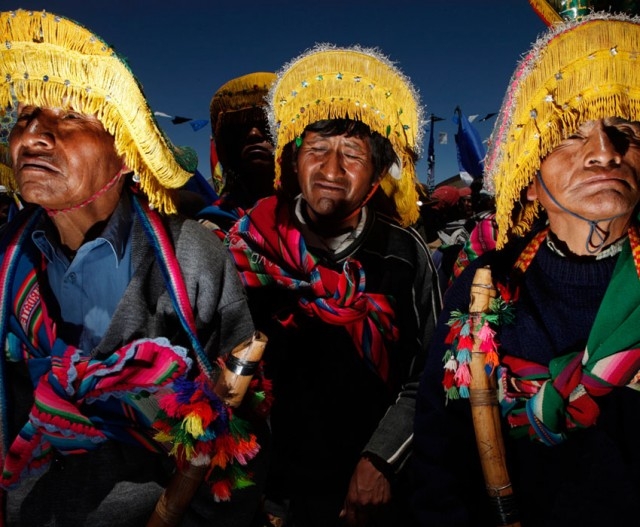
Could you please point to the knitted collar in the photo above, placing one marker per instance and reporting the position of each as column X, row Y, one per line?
column 333, row 245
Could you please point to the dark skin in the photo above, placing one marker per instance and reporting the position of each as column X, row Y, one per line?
column 62, row 158
column 595, row 173
column 336, row 176
column 248, row 152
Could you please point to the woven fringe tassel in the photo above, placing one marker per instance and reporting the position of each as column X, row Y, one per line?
column 48, row 58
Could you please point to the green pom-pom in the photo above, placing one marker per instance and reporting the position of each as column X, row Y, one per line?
column 453, row 393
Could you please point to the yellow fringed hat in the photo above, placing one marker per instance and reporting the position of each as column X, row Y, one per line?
column 240, row 100
column 328, row 82
column 45, row 57
column 577, row 72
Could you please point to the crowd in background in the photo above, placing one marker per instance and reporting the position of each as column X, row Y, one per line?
column 133, row 299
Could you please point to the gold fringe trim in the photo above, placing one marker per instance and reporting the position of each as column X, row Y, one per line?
column 578, row 72
column 48, row 60
column 404, row 193
column 360, row 84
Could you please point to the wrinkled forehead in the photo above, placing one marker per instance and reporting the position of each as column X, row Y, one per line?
column 607, row 122
column 9, row 114
column 45, row 100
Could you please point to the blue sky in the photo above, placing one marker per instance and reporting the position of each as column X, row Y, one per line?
column 456, row 52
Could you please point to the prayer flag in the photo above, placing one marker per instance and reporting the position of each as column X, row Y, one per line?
column 488, row 116
column 179, row 120
column 198, row 124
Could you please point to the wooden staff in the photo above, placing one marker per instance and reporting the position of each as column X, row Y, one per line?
column 231, row 386
column 485, row 412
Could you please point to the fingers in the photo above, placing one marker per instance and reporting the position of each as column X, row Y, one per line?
column 355, row 515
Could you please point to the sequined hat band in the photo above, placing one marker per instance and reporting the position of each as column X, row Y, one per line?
column 328, row 82
column 576, row 72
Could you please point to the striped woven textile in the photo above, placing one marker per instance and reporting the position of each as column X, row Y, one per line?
column 269, row 251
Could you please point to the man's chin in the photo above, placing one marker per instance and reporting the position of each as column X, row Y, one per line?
column 259, row 164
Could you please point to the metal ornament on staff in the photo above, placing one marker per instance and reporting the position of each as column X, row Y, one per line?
column 484, row 407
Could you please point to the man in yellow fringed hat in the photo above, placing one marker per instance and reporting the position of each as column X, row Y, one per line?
column 113, row 308
column 344, row 289
column 563, row 335
column 242, row 145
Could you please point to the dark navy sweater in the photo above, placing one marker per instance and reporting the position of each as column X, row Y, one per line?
column 591, row 479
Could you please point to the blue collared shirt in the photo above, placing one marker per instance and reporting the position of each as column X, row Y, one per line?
column 89, row 287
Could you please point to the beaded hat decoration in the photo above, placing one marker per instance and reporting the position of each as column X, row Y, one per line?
column 578, row 71
column 240, row 100
column 47, row 59
column 553, row 11
column 358, row 83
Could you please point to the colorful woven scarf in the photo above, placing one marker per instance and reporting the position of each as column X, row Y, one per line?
column 548, row 401
column 81, row 402
column 481, row 240
column 72, row 391
column 270, row 251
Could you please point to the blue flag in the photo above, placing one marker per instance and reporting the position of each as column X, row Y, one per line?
column 471, row 151
column 198, row 124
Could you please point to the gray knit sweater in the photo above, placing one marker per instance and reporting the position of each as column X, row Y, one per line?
column 118, row 484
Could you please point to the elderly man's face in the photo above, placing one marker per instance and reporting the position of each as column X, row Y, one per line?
column 335, row 174
column 594, row 172
column 61, row 157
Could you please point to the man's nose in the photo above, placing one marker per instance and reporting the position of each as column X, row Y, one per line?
column 39, row 130
column 256, row 134
column 332, row 164
column 602, row 149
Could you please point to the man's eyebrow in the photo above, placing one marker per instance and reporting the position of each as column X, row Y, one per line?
column 352, row 143
column 315, row 139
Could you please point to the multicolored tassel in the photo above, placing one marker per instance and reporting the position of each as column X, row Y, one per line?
column 203, row 430
column 464, row 329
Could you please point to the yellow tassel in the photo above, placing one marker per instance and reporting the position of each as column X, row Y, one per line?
column 359, row 84
column 163, row 437
column 575, row 73
column 193, row 425
column 49, row 60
